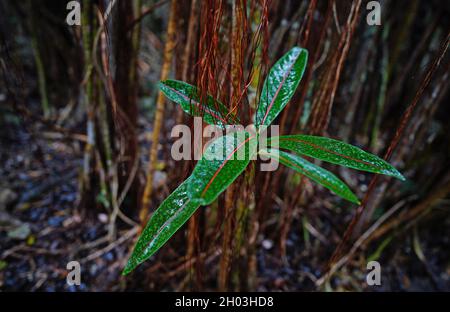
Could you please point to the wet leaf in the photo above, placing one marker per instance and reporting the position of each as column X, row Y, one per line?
column 222, row 162
column 188, row 97
column 315, row 173
column 335, row 152
column 174, row 211
column 280, row 85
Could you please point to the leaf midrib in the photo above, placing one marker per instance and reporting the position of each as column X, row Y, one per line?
column 160, row 229
column 279, row 88
column 224, row 163
column 330, row 151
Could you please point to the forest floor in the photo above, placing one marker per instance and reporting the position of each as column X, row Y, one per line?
column 41, row 230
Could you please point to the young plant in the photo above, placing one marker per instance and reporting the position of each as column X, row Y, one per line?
column 219, row 167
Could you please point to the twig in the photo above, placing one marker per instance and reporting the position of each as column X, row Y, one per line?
column 398, row 134
column 145, row 13
column 123, row 238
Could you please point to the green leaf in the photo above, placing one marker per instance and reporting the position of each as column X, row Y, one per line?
column 174, row 211
column 280, row 85
column 315, row 173
column 224, row 159
column 188, row 96
column 222, row 162
column 335, row 152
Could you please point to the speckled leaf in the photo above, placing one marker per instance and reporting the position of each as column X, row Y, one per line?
column 174, row 211
column 222, row 162
column 188, row 96
column 315, row 173
column 280, row 85
column 335, row 152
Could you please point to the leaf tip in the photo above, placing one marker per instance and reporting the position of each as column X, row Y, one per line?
column 298, row 50
column 396, row 174
column 400, row 176
column 354, row 199
column 350, row 196
column 130, row 266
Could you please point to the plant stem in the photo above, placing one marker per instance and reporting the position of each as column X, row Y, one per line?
column 39, row 64
column 168, row 55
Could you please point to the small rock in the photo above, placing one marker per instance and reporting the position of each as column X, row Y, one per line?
column 102, row 217
column 267, row 244
column 56, row 221
column 7, row 196
column 20, row 232
column 8, row 220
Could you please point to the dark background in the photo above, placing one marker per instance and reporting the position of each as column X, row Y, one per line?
column 79, row 110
